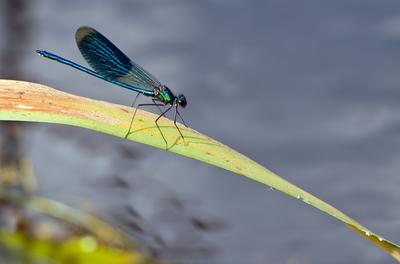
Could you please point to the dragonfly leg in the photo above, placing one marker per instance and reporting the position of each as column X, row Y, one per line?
column 133, row 117
column 134, row 114
column 176, row 112
column 159, row 129
column 157, row 104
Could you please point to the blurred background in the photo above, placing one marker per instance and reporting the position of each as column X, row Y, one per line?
column 309, row 89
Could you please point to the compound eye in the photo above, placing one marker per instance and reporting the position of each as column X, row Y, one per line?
column 182, row 100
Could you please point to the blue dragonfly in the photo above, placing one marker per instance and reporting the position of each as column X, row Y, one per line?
column 111, row 64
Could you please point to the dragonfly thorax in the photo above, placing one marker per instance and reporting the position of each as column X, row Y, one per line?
column 166, row 96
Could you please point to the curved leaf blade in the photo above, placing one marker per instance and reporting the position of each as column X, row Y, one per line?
column 24, row 101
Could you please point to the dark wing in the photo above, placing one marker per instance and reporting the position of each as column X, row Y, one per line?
column 109, row 61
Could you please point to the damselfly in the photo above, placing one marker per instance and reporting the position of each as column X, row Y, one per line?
column 111, row 64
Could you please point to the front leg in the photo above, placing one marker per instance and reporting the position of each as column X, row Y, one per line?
column 176, row 112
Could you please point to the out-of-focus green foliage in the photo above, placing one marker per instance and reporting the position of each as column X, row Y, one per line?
column 35, row 229
column 77, row 250
column 46, row 231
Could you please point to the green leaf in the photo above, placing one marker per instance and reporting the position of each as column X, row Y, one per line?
column 78, row 250
column 74, row 237
column 25, row 101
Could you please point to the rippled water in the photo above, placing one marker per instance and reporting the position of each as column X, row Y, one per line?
column 308, row 89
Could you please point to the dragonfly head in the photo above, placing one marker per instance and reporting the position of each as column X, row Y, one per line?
column 181, row 100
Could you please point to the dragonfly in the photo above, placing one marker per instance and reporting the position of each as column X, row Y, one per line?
column 112, row 65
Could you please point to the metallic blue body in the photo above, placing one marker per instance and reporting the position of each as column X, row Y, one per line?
column 49, row 55
column 108, row 62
